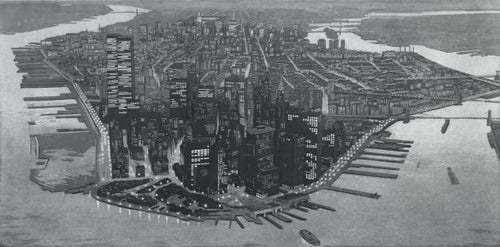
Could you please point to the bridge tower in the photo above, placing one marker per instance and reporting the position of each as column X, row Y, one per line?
column 488, row 120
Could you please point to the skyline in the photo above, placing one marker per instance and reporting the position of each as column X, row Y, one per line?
column 215, row 118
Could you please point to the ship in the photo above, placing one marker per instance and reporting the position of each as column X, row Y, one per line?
column 444, row 128
column 453, row 176
column 309, row 237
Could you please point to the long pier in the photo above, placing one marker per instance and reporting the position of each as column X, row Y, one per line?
column 383, row 160
column 375, row 167
column 281, row 217
column 294, row 216
column 385, row 154
column 272, row 222
column 354, row 192
column 371, row 174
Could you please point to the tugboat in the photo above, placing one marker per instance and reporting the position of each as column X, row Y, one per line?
column 445, row 126
column 309, row 237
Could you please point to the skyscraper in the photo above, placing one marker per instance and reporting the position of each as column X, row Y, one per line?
column 292, row 160
column 261, row 174
column 310, row 125
column 120, row 97
column 204, row 165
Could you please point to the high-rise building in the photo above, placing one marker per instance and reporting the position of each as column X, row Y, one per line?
column 196, row 154
column 292, row 160
column 120, row 77
column 260, row 172
column 205, row 111
column 310, row 125
column 204, row 165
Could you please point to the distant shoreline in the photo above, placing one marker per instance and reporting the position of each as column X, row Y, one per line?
column 29, row 16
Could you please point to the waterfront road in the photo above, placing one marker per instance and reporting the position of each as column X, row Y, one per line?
column 103, row 148
column 345, row 160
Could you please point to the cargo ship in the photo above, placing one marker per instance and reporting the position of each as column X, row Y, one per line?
column 309, row 237
column 445, row 126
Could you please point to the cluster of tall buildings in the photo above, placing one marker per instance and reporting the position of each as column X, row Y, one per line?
column 212, row 114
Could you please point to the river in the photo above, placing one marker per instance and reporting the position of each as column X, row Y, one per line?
column 420, row 207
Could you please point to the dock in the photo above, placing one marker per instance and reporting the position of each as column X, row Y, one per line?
column 390, row 140
column 375, row 167
column 294, row 215
column 323, row 206
column 272, row 222
column 310, row 206
column 387, row 147
column 300, row 208
column 385, row 154
column 371, row 174
column 281, row 217
column 383, row 160
column 239, row 222
column 354, row 192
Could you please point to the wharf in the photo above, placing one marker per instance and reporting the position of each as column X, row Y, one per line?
column 272, row 222
column 49, row 98
column 371, row 174
column 239, row 222
column 397, row 140
column 395, row 144
column 294, row 216
column 51, row 106
column 383, row 160
column 374, row 167
column 300, row 208
column 309, row 206
column 385, row 154
column 387, row 147
column 281, row 217
column 323, row 206
column 354, row 192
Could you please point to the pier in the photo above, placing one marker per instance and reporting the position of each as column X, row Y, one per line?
column 294, row 215
column 272, row 222
column 239, row 222
column 385, row 154
column 354, row 192
column 323, row 206
column 300, row 208
column 309, row 206
column 371, row 174
column 375, row 167
column 387, row 147
column 281, row 217
column 383, row 160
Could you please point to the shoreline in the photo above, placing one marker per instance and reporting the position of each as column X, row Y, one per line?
column 9, row 31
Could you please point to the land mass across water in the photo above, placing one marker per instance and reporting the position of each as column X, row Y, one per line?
column 27, row 16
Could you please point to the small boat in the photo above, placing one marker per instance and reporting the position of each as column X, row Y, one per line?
column 309, row 237
column 445, row 126
column 453, row 176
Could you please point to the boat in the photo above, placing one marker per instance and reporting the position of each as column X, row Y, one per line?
column 453, row 176
column 445, row 126
column 309, row 237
